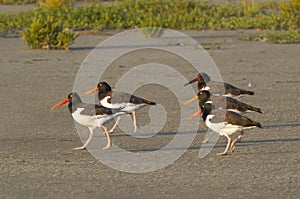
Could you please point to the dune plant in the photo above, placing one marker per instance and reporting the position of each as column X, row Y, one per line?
column 174, row 14
column 47, row 32
column 53, row 3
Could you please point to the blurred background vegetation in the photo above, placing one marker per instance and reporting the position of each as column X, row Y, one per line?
column 279, row 21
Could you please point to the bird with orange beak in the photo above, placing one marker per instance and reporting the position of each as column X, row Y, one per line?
column 225, row 123
column 218, row 88
column 90, row 116
column 119, row 100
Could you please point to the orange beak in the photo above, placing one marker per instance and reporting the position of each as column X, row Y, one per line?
column 192, row 81
column 195, row 114
column 190, row 101
column 91, row 91
column 60, row 103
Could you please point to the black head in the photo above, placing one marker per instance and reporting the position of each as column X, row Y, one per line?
column 73, row 99
column 103, row 87
column 206, row 109
column 204, row 77
column 203, row 97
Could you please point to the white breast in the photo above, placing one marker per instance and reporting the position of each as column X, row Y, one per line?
column 206, row 88
column 234, row 110
column 104, row 102
column 222, row 127
column 124, row 106
column 92, row 120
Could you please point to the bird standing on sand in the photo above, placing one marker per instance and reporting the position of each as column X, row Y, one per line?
column 217, row 88
column 120, row 100
column 89, row 115
column 225, row 123
column 230, row 104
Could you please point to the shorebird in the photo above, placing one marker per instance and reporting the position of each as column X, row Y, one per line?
column 217, row 88
column 89, row 115
column 225, row 123
column 229, row 103
column 123, row 101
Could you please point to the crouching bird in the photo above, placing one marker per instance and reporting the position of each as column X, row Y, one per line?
column 90, row 115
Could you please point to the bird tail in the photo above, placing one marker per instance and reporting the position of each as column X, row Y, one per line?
column 247, row 92
column 252, row 108
column 150, row 103
column 253, row 123
column 258, row 125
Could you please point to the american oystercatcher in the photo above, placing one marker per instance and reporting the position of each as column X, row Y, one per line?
column 219, row 101
column 89, row 115
column 225, row 123
column 120, row 100
column 205, row 83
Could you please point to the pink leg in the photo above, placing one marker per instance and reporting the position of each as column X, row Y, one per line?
column 115, row 125
column 232, row 146
column 108, row 138
column 227, row 147
column 134, row 122
column 88, row 140
column 203, row 141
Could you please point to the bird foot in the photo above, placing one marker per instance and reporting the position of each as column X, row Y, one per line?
column 111, row 131
column 220, row 154
column 202, row 142
column 107, row 147
column 79, row 148
column 232, row 146
column 136, row 129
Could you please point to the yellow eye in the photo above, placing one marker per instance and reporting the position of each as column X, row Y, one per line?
column 201, row 93
column 100, row 84
column 71, row 95
column 202, row 106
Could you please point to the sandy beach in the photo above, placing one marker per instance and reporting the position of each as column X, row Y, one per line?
column 36, row 156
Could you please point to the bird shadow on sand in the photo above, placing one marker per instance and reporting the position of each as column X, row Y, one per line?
column 218, row 145
column 192, row 132
column 243, row 143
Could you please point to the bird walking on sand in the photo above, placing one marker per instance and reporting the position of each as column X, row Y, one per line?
column 89, row 115
column 225, row 123
column 228, row 103
column 120, row 100
column 218, row 88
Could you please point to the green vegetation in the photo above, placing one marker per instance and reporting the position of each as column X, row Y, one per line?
column 53, row 3
column 280, row 37
column 15, row 2
column 279, row 21
column 45, row 32
column 18, row 2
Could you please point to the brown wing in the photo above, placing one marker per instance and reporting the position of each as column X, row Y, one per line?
column 94, row 109
column 236, row 91
column 235, row 104
column 237, row 119
column 120, row 97
column 240, row 106
column 219, row 116
column 216, row 88
column 225, row 88
column 232, row 118
column 219, row 102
